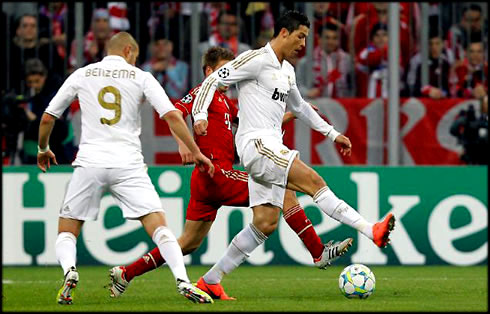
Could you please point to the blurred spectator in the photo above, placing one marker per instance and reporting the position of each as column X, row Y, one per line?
column 172, row 74
column 439, row 65
column 459, row 34
column 42, row 88
column 227, row 35
column 259, row 20
column 373, row 13
column 52, row 19
column 27, row 45
column 212, row 11
column 330, row 13
column 118, row 16
column 372, row 65
column 332, row 67
column 94, row 45
column 167, row 20
column 469, row 77
column 472, row 132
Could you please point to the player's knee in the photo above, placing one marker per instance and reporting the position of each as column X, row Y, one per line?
column 315, row 180
column 162, row 235
column 188, row 246
column 267, row 227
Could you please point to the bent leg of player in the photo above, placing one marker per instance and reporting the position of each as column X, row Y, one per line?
column 192, row 237
column 137, row 197
column 81, row 202
column 66, row 252
column 304, row 179
column 242, row 245
column 296, row 218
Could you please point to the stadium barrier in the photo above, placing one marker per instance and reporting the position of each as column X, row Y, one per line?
column 424, row 127
column 442, row 218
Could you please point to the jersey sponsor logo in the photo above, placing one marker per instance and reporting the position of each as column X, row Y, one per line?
column 223, row 72
column 284, row 151
column 277, row 95
column 186, row 99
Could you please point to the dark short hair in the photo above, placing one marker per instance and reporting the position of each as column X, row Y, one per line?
column 327, row 26
column 35, row 66
column 472, row 7
column 291, row 20
column 376, row 28
column 214, row 55
column 225, row 12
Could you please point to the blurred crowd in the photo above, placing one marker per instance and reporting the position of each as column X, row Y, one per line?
column 349, row 57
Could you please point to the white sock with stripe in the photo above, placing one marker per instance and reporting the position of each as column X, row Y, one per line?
column 339, row 210
column 66, row 250
column 240, row 248
column 170, row 250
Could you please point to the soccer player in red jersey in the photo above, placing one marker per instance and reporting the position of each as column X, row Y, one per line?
column 227, row 187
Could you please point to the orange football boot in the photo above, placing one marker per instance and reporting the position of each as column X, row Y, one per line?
column 381, row 231
column 216, row 291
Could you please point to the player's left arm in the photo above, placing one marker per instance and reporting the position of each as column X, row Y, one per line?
column 244, row 67
column 288, row 116
column 305, row 112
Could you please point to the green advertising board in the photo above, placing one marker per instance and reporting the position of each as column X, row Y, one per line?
column 441, row 218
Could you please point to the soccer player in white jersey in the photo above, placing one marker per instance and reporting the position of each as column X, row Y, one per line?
column 266, row 82
column 111, row 94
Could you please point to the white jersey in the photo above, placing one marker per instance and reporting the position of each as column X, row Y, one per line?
column 264, row 87
column 111, row 93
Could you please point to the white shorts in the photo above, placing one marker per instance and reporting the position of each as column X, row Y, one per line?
column 131, row 188
column 267, row 161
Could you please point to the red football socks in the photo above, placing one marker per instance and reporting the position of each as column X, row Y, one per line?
column 297, row 220
column 147, row 262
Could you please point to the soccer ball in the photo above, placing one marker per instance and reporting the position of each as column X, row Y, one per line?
column 357, row 281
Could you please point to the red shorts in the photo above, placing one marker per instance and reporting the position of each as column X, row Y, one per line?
column 227, row 187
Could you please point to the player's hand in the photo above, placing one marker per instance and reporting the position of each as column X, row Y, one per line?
column 44, row 160
column 200, row 127
column 345, row 144
column 202, row 161
column 186, row 155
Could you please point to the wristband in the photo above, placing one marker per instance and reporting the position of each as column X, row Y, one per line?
column 42, row 150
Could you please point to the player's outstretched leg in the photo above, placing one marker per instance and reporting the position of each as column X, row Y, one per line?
column 303, row 178
column 323, row 255
column 65, row 293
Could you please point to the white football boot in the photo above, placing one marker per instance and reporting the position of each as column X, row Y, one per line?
column 332, row 251
column 65, row 293
column 192, row 292
column 118, row 284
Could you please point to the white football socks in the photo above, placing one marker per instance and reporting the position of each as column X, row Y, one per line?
column 240, row 248
column 171, row 252
column 66, row 250
column 341, row 211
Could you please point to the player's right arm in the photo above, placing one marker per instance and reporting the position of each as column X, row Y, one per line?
column 157, row 97
column 244, row 67
column 63, row 98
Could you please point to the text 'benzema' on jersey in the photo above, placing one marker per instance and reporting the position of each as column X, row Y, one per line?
column 111, row 93
column 264, row 87
column 218, row 142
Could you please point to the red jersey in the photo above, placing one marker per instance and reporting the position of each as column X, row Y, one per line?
column 217, row 145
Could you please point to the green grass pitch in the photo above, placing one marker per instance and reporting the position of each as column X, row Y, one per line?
column 257, row 288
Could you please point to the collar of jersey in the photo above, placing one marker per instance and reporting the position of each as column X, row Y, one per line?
column 274, row 57
column 114, row 57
